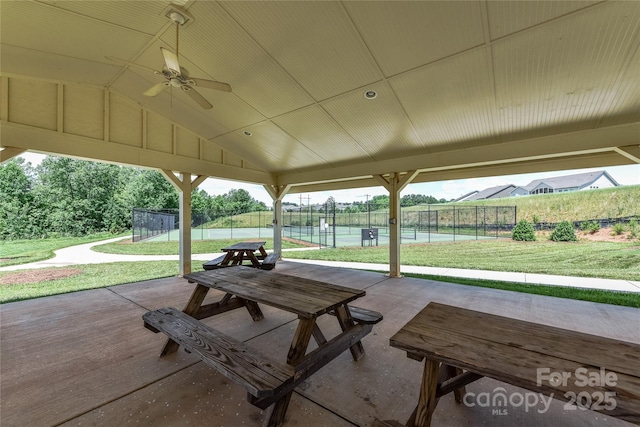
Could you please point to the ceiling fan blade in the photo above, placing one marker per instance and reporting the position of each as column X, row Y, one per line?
column 197, row 97
column 171, row 59
column 155, row 90
column 211, row 84
column 129, row 64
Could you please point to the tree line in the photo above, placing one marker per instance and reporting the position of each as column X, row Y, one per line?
column 68, row 197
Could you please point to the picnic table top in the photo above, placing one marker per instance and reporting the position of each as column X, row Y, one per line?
column 306, row 297
column 244, row 246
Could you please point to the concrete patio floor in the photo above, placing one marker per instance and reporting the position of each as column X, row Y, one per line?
column 85, row 358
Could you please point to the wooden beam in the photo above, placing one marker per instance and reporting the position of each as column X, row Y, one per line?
column 10, row 152
column 631, row 152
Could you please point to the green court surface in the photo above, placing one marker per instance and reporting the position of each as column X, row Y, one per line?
column 344, row 236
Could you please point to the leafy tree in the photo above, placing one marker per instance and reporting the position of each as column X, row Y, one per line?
column 79, row 196
column 240, row 201
column 149, row 189
column 379, row 202
column 17, row 209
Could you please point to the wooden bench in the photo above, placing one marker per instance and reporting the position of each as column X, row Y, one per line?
column 266, row 381
column 362, row 315
column 588, row 371
column 214, row 263
column 269, row 262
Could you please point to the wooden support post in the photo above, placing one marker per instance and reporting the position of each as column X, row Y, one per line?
column 277, row 193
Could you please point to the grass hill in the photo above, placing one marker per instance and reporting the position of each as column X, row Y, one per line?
column 618, row 202
column 605, row 203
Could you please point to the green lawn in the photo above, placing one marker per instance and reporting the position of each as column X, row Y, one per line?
column 92, row 276
column 608, row 260
column 171, row 248
column 617, row 260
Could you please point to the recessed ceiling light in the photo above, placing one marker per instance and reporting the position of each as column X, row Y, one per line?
column 370, row 94
column 246, row 132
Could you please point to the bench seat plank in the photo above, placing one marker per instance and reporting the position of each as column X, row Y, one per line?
column 511, row 350
column 214, row 263
column 237, row 361
column 363, row 315
column 270, row 261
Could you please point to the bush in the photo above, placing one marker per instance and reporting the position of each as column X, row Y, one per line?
column 523, row 231
column 618, row 229
column 590, row 227
column 564, row 232
column 633, row 229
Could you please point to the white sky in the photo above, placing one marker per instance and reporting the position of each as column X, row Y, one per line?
column 624, row 175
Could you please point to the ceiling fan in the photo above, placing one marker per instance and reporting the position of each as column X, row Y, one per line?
column 177, row 76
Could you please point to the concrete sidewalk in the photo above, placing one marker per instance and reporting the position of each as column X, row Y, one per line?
column 83, row 254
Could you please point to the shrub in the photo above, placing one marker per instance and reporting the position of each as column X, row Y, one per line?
column 618, row 229
column 564, row 232
column 590, row 227
column 633, row 229
column 523, row 231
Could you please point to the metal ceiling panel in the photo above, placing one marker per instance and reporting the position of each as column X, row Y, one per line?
column 380, row 125
column 270, row 147
column 143, row 16
column 450, row 101
column 314, row 128
column 315, row 42
column 406, row 34
column 449, row 76
column 227, row 53
column 172, row 104
column 49, row 29
column 228, row 108
column 564, row 74
column 22, row 61
column 507, row 17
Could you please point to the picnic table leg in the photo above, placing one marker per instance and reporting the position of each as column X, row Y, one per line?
column 253, row 308
column 191, row 309
column 453, row 372
column 346, row 322
column 274, row 415
column 427, row 402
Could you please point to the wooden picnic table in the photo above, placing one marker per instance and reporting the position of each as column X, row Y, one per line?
column 239, row 252
column 249, row 287
column 462, row 345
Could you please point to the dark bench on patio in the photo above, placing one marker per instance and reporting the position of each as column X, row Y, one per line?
column 215, row 263
column 363, row 315
column 269, row 262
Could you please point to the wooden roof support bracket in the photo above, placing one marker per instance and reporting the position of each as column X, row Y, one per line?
column 631, row 152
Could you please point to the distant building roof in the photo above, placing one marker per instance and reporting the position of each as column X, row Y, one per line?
column 493, row 192
column 466, row 196
column 579, row 180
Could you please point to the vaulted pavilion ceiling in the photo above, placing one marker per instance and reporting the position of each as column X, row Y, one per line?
column 463, row 88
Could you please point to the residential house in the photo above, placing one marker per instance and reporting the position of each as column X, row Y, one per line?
column 562, row 184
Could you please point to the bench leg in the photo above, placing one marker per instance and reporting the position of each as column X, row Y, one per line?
column 427, row 402
column 346, row 322
column 191, row 309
